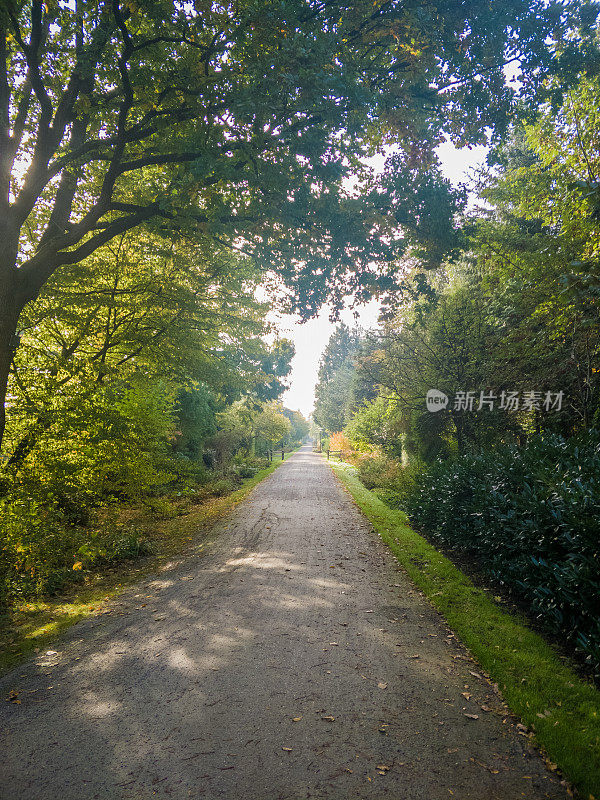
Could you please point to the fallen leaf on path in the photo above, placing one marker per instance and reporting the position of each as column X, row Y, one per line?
column 475, row 674
column 296, row 719
column 472, row 716
column 13, row 697
column 485, row 708
column 466, row 695
column 383, row 767
column 330, row 719
column 382, row 685
column 287, row 749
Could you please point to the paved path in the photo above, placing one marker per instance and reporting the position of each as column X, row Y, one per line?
column 292, row 661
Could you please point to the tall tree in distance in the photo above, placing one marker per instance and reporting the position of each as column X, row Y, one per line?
column 336, row 375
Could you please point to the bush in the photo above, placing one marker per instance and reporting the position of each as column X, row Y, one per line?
column 339, row 442
column 245, row 471
column 529, row 516
column 222, row 487
column 379, row 471
column 42, row 552
column 161, row 507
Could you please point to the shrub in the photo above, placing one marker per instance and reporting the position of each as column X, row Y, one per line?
column 161, row 507
column 42, row 552
column 379, row 471
column 339, row 442
column 222, row 487
column 530, row 516
column 245, row 471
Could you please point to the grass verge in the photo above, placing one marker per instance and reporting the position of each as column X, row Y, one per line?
column 561, row 709
column 36, row 624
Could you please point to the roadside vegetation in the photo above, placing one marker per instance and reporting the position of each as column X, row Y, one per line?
column 71, row 508
column 503, row 475
column 165, row 165
column 184, row 522
column 561, row 711
column 507, row 472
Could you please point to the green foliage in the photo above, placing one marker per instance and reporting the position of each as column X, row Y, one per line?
column 43, row 552
column 388, row 479
column 377, row 424
column 271, row 426
column 124, row 365
column 516, row 312
column 529, row 516
column 222, row 487
column 196, row 420
column 114, row 445
column 336, row 378
column 550, row 698
column 299, row 428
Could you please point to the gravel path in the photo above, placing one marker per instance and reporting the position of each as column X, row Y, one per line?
column 294, row 660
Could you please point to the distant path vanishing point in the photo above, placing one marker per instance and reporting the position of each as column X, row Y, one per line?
column 293, row 660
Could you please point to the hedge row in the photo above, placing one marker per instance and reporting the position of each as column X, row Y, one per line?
column 531, row 517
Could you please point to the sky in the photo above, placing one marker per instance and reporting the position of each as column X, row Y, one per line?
column 310, row 338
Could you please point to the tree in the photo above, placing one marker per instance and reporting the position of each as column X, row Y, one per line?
column 377, row 423
column 271, row 426
column 236, row 122
column 300, row 427
column 538, row 250
column 336, row 377
column 167, row 314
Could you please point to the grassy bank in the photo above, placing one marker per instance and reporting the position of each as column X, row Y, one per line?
column 35, row 624
column 561, row 709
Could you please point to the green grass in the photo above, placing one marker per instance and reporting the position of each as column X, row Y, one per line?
column 36, row 624
column 562, row 709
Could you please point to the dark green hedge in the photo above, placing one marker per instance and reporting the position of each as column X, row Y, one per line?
column 531, row 517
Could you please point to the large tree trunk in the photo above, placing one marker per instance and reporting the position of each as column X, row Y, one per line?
column 8, row 329
column 11, row 305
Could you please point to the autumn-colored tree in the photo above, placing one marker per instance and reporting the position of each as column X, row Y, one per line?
column 339, row 442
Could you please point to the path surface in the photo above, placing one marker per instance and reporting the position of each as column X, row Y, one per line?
column 292, row 661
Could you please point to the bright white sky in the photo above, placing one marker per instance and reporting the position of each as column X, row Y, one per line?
column 311, row 337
